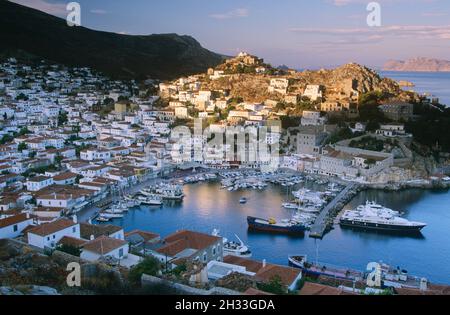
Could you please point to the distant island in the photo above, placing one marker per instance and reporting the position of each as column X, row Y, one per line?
column 418, row 64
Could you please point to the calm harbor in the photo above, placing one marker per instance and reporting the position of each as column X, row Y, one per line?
column 207, row 207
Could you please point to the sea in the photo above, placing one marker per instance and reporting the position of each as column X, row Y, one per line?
column 207, row 207
column 434, row 83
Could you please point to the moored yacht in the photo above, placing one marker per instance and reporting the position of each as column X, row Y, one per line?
column 376, row 217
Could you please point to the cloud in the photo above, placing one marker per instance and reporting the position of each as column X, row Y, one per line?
column 237, row 13
column 434, row 14
column 98, row 11
column 58, row 9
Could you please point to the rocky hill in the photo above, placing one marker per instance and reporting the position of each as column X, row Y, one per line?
column 418, row 64
column 365, row 79
column 349, row 77
column 26, row 31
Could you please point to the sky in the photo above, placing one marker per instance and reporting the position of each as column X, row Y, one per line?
column 298, row 33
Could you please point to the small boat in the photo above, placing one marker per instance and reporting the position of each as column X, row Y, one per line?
column 107, row 215
column 102, row 219
column 271, row 225
column 238, row 249
column 243, row 200
column 288, row 205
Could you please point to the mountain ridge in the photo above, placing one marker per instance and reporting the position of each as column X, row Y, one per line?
column 158, row 56
column 419, row 64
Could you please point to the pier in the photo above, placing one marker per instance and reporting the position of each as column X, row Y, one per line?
column 320, row 226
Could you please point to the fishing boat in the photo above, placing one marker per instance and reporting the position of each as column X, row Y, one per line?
column 316, row 270
column 289, row 226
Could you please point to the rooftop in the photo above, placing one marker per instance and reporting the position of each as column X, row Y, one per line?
column 52, row 227
column 104, row 245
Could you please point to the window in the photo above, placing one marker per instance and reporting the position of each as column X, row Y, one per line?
column 205, row 257
column 214, row 250
column 121, row 252
column 54, row 236
column 48, row 238
column 74, row 229
column 15, row 228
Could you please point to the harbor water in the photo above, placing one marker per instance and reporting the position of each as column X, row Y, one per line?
column 207, row 207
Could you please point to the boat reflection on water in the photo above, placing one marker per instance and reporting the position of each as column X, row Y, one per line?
column 366, row 234
column 266, row 234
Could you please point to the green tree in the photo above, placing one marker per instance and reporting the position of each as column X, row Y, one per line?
column 149, row 266
column 6, row 139
column 62, row 118
column 275, row 286
column 22, row 146
column 24, row 131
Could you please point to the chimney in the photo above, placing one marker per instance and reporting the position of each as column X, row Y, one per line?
column 28, row 215
column 264, row 263
column 92, row 237
column 75, row 219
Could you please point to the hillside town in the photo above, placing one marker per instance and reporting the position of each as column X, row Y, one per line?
column 71, row 138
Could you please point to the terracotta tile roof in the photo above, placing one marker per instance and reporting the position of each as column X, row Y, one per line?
column 287, row 274
column 251, row 265
column 86, row 230
column 52, row 227
column 194, row 239
column 173, row 248
column 71, row 241
column 103, row 245
column 64, row 176
column 319, row 289
column 13, row 220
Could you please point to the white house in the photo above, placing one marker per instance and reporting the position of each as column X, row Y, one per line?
column 49, row 234
column 95, row 154
column 314, row 92
column 105, row 247
column 12, row 227
column 39, row 182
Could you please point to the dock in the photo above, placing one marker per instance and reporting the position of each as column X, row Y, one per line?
column 320, row 226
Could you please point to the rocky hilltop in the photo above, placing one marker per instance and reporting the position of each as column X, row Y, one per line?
column 344, row 80
column 418, row 64
column 352, row 75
